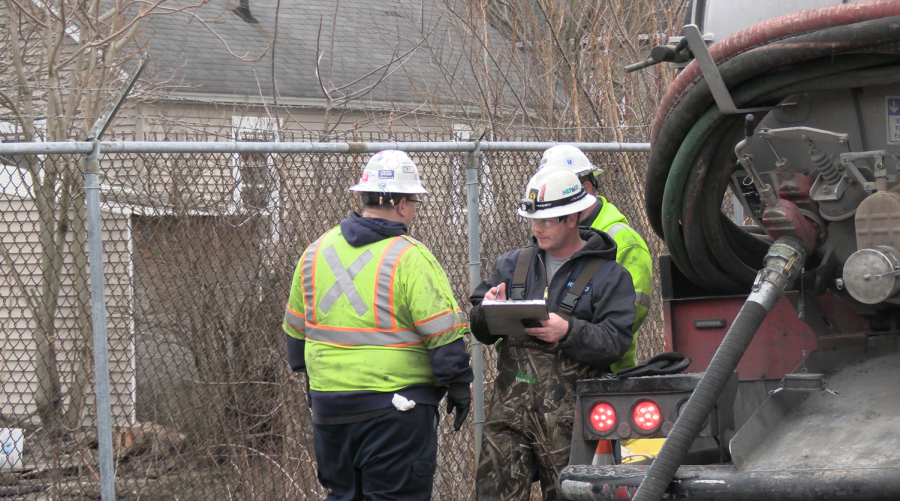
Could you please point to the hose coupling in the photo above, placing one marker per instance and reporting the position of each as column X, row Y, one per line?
column 783, row 264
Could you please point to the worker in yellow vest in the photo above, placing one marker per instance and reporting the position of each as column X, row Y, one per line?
column 632, row 252
column 372, row 320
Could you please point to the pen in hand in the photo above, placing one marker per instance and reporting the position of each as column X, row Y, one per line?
column 496, row 293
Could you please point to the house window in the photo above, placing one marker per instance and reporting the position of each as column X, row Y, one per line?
column 257, row 184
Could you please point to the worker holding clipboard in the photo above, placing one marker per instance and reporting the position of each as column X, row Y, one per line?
column 564, row 310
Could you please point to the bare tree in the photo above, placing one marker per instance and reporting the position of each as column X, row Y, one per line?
column 554, row 67
column 61, row 63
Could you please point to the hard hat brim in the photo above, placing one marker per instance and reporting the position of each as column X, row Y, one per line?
column 371, row 188
column 564, row 210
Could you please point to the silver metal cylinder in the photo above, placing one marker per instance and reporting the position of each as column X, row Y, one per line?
column 872, row 275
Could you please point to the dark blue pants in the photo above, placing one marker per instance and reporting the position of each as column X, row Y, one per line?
column 391, row 457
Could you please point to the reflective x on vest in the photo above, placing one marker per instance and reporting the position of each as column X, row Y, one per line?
column 344, row 281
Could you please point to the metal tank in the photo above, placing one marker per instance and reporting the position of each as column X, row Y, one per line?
column 793, row 109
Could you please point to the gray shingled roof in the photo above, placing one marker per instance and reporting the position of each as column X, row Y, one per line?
column 359, row 42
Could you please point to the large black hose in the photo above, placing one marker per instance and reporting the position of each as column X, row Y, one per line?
column 783, row 263
column 680, row 146
column 696, row 242
column 744, row 248
column 735, row 250
column 777, row 55
column 701, row 402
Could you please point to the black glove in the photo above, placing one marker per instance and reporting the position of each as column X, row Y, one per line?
column 462, row 409
column 669, row 362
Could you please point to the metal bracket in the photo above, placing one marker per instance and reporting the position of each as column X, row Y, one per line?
column 890, row 274
column 849, row 161
column 803, row 133
column 804, row 381
column 711, row 73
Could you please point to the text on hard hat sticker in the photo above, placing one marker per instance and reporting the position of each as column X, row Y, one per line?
column 573, row 189
column 385, row 174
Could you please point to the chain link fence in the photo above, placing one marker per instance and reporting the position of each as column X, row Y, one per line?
column 200, row 249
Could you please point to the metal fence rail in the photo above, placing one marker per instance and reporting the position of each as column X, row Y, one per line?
column 200, row 241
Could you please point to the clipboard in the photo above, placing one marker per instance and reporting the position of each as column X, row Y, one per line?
column 509, row 318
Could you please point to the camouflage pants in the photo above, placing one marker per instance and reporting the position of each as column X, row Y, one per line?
column 529, row 421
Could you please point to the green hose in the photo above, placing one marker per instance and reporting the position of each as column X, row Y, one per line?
column 673, row 195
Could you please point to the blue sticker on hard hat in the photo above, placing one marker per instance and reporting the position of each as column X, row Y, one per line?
column 569, row 161
column 385, row 174
column 573, row 189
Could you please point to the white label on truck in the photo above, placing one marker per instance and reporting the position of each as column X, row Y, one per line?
column 893, row 120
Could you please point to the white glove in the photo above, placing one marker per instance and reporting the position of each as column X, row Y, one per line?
column 402, row 403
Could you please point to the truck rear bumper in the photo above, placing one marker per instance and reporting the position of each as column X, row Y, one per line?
column 726, row 483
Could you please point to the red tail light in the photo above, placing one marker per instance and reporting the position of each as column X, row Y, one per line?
column 603, row 417
column 646, row 415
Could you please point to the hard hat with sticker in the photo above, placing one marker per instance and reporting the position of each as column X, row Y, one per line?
column 390, row 171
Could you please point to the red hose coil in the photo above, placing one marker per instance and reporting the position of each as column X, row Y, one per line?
column 765, row 32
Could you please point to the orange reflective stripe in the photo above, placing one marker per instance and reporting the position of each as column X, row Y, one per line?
column 354, row 329
column 401, row 345
column 391, row 286
column 384, row 287
column 362, row 337
column 377, row 280
column 294, row 319
column 439, row 324
column 307, row 273
column 463, row 324
column 420, row 322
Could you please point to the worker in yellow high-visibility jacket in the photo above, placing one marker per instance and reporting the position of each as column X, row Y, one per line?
column 372, row 320
column 632, row 252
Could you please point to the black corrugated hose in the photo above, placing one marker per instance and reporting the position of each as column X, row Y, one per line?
column 701, row 402
column 782, row 265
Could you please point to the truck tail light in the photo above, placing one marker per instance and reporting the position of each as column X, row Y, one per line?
column 603, row 417
column 646, row 415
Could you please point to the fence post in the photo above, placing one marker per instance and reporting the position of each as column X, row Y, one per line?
column 98, row 319
column 472, row 161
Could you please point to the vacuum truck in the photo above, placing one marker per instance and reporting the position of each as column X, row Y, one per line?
column 789, row 309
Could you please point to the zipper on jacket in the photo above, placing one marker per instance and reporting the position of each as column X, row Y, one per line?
column 547, row 282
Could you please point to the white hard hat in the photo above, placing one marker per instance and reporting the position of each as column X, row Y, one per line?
column 554, row 192
column 390, row 171
column 569, row 157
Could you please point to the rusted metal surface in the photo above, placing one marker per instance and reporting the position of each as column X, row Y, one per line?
column 775, row 351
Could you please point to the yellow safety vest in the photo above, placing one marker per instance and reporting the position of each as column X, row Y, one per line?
column 634, row 255
column 370, row 314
